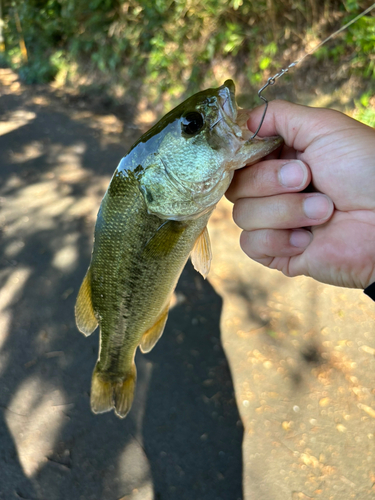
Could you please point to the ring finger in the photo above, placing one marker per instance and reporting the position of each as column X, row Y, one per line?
column 284, row 211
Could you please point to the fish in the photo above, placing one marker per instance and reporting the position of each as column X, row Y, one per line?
column 153, row 216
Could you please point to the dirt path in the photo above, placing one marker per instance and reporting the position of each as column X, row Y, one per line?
column 299, row 392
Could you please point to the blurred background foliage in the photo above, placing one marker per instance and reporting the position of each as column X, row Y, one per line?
column 167, row 49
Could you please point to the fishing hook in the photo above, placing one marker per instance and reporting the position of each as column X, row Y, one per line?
column 271, row 81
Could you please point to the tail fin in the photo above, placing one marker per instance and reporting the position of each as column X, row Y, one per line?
column 107, row 394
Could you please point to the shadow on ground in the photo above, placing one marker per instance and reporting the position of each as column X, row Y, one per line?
column 192, row 431
column 183, row 436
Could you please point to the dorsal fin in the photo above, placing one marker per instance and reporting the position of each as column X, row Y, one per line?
column 84, row 311
column 201, row 255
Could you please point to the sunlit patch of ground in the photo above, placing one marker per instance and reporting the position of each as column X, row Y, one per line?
column 31, row 414
column 9, row 82
column 15, row 120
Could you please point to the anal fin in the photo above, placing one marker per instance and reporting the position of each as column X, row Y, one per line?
column 84, row 311
column 153, row 334
column 201, row 254
column 107, row 394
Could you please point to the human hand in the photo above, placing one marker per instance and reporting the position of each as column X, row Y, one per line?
column 334, row 153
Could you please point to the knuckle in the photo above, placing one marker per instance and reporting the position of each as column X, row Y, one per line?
column 263, row 179
column 268, row 240
column 281, row 212
column 238, row 211
column 245, row 242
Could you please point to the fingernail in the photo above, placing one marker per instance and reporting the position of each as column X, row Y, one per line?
column 317, row 207
column 293, row 174
column 300, row 239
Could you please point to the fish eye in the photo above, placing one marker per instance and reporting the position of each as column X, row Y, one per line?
column 192, row 122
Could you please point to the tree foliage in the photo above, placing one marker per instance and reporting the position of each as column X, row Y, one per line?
column 172, row 44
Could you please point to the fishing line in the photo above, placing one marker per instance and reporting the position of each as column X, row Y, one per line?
column 272, row 79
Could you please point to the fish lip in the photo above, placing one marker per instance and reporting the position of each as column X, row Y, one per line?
column 264, row 146
column 227, row 100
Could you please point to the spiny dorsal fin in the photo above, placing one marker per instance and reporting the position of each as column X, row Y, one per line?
column 154, row 333
column 84, row 311
column 201, row 254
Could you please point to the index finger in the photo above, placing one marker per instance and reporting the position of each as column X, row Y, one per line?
column 298, row 125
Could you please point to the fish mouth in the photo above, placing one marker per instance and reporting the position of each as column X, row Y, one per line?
column 234, row 117
column 261, row 147
column 227, row 100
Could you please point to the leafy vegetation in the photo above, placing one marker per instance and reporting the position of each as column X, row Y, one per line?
column 365, row 109
column 175, row 46
column 362, row 37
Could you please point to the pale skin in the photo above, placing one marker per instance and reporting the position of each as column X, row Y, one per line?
column 327, row 233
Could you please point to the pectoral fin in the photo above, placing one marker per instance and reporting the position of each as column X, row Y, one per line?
column 84, row 311
column 154, row 333
column 164, row 240
column 201, row 254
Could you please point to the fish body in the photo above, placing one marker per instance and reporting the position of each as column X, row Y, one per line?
column 152, row 217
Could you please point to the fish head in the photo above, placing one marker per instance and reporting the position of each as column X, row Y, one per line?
column 193, row 151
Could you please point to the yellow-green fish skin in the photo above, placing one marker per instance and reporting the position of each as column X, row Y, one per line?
column 156, row 207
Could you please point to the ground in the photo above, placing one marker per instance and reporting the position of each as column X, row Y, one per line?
column 261, row 388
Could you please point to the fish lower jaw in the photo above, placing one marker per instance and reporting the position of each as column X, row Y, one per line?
column 254, row 150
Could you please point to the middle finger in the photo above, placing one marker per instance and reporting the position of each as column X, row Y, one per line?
column 269, row 177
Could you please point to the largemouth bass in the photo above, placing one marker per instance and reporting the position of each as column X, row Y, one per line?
column 152, row 217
